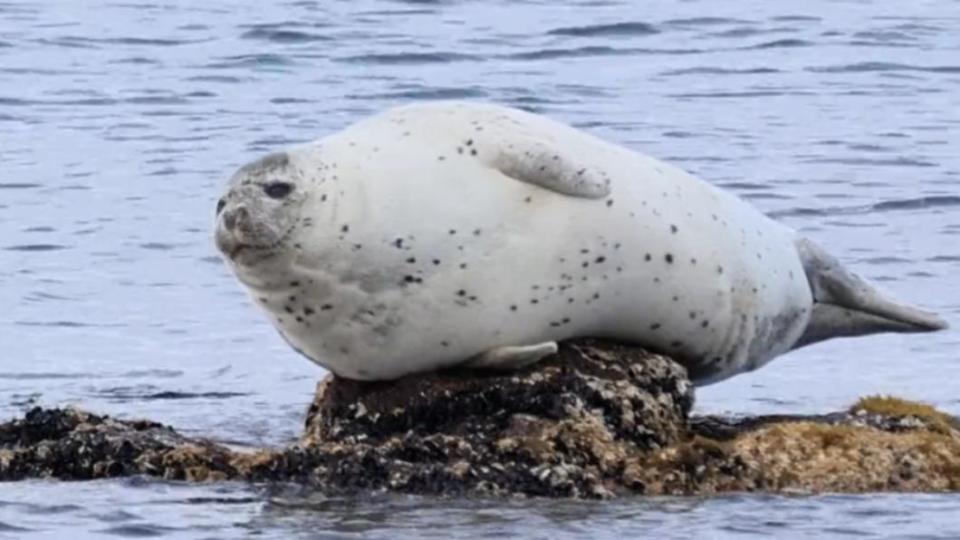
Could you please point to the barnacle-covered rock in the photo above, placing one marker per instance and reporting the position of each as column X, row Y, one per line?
column 596, row 420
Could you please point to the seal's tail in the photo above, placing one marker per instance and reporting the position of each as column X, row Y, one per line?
column 846, row 305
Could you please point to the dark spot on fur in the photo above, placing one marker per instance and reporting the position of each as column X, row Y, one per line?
column 673, row 229
column 411, row 260
column 398, row 243
column 326, row 307
column 345, row 228
column 647, row 257
column 513, row 308
column 600, row 259
column 655, row 326
column 669, row 258
column 307, row 310
column 294, row 283
column 705, row 323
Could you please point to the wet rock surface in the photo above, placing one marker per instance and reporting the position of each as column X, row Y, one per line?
column 597, row 420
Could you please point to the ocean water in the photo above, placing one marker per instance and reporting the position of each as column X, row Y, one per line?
column 120, row 122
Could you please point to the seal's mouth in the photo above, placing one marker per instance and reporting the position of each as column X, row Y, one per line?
column 248, row 254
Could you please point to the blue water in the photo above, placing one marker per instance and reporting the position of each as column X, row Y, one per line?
column 120, row 121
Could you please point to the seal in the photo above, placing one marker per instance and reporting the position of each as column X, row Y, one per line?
column 452, row 233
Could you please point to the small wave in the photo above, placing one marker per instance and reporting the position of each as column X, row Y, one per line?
column 39, row 376
column 894, row 162
column 720, row 71
column 6, row 527
column 79, row 42
column 614, row 29
column 282, row 36
column 919, row 203
column 288, row 100
column 795, row 18
column 426, row 93
column 743, row 94
column 594, row 50
column 884, row 36
column 705, row 21
column 408, row 58
column 781, row 43
column 18, row 185
column 35, row 247
column 5, row 44
column 145, row 41
column 229, row 79
column 59, row 324
column 144, row 393
column 863, row 67
column 137, row 60
column 252, row 60
column 932, row 201
column 159, row 246
column 138, row 530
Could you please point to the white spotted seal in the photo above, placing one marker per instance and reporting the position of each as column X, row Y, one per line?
column 452, row 233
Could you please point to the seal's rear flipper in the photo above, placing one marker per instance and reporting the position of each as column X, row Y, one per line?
column 846, row 305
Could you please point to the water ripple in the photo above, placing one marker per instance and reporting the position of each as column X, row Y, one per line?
column 35, row 247
column 401, row 58
column 863, row 67
column 283, row 36
column 614, row 29
column 782, row 43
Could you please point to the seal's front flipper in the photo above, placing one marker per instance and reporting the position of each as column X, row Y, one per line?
column 545, row 164
column 512, row 358
column 846, row 305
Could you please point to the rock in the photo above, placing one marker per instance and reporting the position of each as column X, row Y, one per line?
column 562, row 428
column 597, row 420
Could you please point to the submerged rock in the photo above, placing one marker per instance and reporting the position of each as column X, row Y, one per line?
column 596, row 420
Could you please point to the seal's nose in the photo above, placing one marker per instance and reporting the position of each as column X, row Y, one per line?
column 233, row 217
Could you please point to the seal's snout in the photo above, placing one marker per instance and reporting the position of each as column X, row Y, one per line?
column 236, row 218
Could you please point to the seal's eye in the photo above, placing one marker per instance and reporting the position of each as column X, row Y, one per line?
column 220, row 204
column 277, row 190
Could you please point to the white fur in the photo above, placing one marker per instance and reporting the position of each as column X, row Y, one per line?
column 399, row 175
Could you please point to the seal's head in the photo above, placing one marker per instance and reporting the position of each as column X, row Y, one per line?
column 258, row 216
